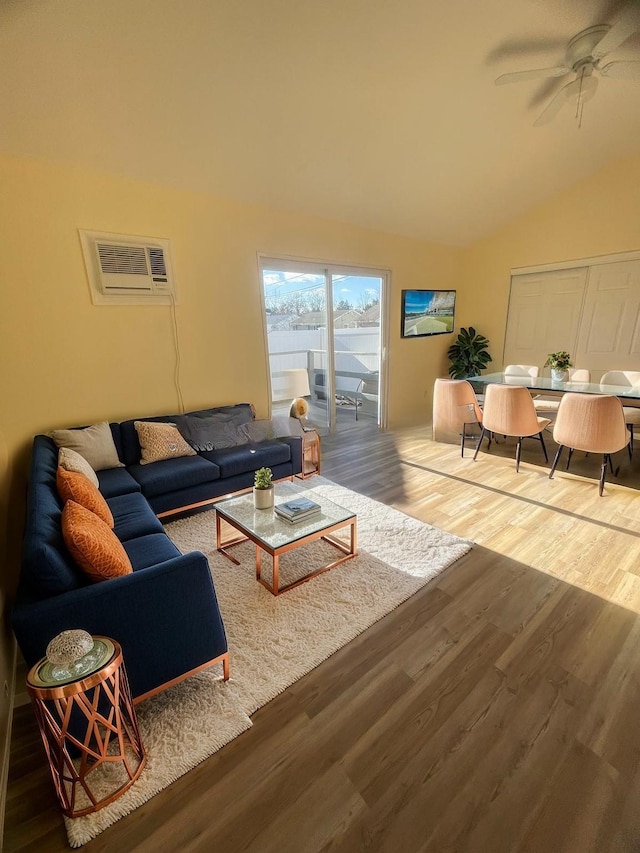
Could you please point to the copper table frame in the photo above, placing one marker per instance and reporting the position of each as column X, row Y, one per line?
column 114, row 724
column 349, row 551
column 310, row 455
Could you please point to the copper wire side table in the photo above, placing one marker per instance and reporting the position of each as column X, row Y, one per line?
column 310, row 454
column 90, row 734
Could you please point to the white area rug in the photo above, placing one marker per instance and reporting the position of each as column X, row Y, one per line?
column 275, row 641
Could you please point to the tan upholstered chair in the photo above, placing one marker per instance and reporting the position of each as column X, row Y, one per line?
column 455, row 408
column 593, row 423
column 550, row 404
column 626, row 379
column 508, row 409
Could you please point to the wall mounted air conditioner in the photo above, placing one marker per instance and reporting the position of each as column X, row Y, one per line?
column 128, row 270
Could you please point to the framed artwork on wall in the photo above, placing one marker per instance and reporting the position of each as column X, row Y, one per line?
column 427, row 312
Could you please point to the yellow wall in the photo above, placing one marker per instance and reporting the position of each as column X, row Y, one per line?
column 599, row 216
column 68, row 362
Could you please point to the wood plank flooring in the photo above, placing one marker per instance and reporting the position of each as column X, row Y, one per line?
column 496, row 711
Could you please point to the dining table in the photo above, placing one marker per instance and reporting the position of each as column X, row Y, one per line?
column 546, row 385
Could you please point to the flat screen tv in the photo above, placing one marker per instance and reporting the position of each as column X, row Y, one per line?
column 427, row 312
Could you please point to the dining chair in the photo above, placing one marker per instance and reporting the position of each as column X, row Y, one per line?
column 520, row 374
column 625, row 379
column 550, row 404
column 509, row 410
column 530, row 370
column 455, row 408
column 593, row 423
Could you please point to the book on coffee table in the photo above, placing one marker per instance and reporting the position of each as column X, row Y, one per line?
column 297, row 509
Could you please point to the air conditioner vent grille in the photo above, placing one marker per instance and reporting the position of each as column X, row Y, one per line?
column 123, row 260
column 130, row 269
column 156, row 259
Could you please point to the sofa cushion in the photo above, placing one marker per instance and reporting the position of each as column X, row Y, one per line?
column 173, row 474
column 70, row 460
column 133, row 516
column 248, row 457
column 92, row 544
column 145, row 551
column 160, row 441
column 95, row 443
column 117, row 481
column 76, row 487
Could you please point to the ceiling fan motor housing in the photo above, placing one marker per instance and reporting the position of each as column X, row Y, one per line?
column 580, row 48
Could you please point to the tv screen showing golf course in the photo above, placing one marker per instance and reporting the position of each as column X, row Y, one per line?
column 427, row 312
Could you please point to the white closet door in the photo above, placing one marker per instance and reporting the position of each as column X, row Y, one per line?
column 609, row 333
column 544, row 315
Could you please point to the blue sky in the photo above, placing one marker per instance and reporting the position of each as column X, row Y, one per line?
column 417, row 301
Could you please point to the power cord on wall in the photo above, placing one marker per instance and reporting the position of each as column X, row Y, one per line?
column 176, row 342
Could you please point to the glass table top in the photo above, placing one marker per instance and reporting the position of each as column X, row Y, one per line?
column 545, row 383
column 276, row 532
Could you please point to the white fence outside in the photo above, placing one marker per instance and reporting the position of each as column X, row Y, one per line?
column 357, row 351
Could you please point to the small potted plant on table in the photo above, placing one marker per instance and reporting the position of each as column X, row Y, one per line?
column 559, row 362
column 263, row 488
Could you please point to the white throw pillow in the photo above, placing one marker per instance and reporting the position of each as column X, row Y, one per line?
column 70, row 460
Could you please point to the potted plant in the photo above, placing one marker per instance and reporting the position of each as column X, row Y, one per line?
column 468, row 354
column 263, row 488
column 559, row 362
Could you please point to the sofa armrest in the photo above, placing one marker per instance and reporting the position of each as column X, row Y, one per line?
column 295, row 443
column 165, row 617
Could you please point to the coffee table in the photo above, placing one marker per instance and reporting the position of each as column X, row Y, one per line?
column 275, row 536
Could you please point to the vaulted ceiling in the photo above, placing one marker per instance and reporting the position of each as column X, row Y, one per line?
column 382, row 113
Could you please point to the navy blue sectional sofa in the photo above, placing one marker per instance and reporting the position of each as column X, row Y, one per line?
column 165, row 614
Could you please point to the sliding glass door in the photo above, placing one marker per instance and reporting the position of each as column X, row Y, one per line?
column 326, row 321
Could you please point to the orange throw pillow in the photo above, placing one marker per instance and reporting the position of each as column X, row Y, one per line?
column 73, row 486
column 93, row 545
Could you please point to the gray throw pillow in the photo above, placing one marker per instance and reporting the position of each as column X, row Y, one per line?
column 284, row 425
column 210, row 433
column 238, row 414
column 257, row 430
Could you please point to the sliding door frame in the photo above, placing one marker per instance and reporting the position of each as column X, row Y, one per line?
column 289, row 263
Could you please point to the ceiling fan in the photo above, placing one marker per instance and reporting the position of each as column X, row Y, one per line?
column 585, row 54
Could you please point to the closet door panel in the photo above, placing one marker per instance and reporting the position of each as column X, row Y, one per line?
column 610, row 335
column 544, row 315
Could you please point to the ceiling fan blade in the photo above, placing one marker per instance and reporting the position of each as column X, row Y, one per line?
column 622, row 70
column 626, row 25
column 535, row 74
column 557, row 102
column 581, row 88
